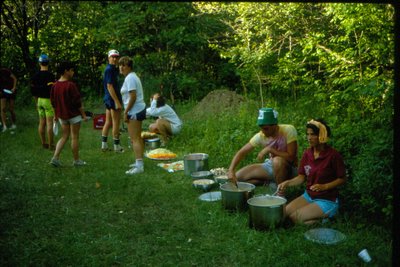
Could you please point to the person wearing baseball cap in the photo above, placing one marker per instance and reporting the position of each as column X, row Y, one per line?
column 278, row 155
column 113, row 103
column 43, row 58
column 41, row 84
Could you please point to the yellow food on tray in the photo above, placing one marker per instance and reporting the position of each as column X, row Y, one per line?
column 149, row 135
column 161, row 153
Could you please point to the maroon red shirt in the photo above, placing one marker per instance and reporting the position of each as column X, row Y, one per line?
column 65, row 99
column 326, row 168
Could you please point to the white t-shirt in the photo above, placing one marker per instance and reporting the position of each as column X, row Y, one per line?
column 167, row 113
column 132, row 83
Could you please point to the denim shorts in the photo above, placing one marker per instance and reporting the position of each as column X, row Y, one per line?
column 328, row 207
column 268, row 167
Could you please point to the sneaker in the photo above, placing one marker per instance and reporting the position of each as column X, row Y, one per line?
column 55, row 162
column 45, row 146
column 135, row 170
column 104, row 147
column 4, row 129
column 13, row 126
column 119, row 150
column 133, row 165
column 78, row 163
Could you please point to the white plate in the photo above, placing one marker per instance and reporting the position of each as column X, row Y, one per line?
column 7, row 91
column 55, row 128
column 324, row 236
column 211, row 196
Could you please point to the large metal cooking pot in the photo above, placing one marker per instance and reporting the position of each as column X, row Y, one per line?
column 235, row 198
column 153, row 143
column 265, row 211
column 195, row 162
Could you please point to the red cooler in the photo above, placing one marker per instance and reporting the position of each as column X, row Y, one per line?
column 98, row 121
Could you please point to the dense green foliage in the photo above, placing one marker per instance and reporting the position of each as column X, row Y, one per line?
column 311, row 60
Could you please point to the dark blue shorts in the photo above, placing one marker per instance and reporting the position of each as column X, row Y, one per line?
column 109, row 103
column 141, row 116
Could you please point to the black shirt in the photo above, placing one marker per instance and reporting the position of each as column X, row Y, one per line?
column 41, row 84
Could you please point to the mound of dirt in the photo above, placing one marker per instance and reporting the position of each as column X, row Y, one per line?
column 216, row 102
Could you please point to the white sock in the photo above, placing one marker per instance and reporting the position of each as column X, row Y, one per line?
column 139, row 163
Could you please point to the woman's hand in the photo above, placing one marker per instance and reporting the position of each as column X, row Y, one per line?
column 232, row 176
column 261, row 155
column 318, row 187
column 126, row 119
column 282, row 186
column 118, row 105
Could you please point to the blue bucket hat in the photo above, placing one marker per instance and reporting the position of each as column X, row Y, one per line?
column 267, row 116
column 43, row 58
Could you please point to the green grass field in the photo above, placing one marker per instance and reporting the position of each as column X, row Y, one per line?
column 98, row 216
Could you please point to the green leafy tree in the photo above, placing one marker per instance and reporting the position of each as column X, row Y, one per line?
column 21, row 22
column 169, row 43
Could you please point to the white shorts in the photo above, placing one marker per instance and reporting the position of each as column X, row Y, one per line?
column 74, row 120
column 176, row 128
column 268, row 167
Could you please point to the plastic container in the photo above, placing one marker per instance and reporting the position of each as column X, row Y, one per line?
column 99, row 121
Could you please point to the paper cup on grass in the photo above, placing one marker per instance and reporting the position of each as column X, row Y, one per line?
column 364, row 255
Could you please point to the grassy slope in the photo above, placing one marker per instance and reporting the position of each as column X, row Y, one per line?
column 98, row 216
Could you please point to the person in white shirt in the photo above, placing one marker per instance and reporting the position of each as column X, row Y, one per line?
column 168, row 122
column 135, row 111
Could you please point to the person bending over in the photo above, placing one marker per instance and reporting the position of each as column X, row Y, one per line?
column 278, row 143
column 167, row 123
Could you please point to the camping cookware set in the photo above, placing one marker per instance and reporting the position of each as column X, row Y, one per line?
column 265, row 211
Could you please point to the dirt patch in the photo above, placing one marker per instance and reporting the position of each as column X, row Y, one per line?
column 216, row 102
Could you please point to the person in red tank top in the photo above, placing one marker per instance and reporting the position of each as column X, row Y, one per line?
column 323, row 170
